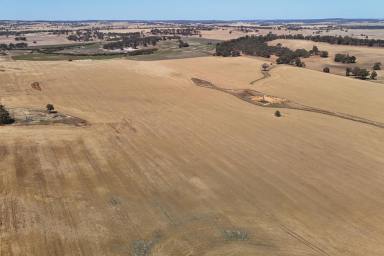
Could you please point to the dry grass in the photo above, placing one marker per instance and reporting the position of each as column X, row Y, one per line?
column 366, row 56
column 169, row 168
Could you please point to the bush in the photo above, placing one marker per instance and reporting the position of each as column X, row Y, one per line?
column 278, row 114
column 5, row 117
column 324, row 54
column 50, row 108
column 265, row 67
column 377, row 66
column 326, row 70
column 183, row 44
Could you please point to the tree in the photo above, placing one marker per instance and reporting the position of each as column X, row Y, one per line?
column 50, row 108
column 362, row 74
column 326, row 70
column 374, row 75
column 265, row 67
column 277, row 113
column 315, row 50
column 377, row 66
column 5, row 117
column 345, row 58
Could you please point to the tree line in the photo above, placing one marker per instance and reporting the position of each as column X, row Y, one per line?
column 340, row 40
column 257, row 46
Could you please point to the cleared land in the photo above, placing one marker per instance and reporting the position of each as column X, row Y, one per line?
column 366, row 56
column 169, row 168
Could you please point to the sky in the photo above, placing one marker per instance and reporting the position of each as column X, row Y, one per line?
column 188, row 9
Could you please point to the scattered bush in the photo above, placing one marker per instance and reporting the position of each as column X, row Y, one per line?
column 326, row 70
column 278, row 114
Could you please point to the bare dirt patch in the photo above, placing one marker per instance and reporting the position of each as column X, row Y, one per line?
column 26, row 116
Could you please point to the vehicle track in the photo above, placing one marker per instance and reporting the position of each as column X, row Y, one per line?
column 250, row 95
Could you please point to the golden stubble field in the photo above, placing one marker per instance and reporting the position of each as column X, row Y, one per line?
column 168, row 168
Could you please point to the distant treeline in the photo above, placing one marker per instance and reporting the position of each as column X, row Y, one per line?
column 172, row 31
column 133, row 42
column 365, row 27
column 341, row 40
column 257, row 46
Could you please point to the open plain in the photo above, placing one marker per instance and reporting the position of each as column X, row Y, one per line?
column 165, row 167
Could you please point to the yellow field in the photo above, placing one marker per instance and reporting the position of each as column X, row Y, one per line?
column 168, row 168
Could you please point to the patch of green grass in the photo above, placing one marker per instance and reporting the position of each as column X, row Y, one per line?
column 198, row 47
column 59, row 57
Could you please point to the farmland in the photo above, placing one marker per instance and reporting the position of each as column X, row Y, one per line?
column 168, row 168
column 180, row 152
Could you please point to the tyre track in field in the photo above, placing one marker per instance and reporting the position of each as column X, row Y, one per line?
column 263, row 100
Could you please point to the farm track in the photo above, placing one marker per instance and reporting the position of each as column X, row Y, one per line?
column 249, row 94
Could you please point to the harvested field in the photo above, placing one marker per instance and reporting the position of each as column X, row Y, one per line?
column 166, row 167
column 366, row 56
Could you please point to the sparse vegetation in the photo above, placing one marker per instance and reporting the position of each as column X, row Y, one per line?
column 326, row 70
column 5, row 117
column 278, row 113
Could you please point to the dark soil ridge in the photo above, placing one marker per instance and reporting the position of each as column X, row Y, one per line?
column 258, row 98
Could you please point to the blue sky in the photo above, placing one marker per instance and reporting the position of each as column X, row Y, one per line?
column 189, row 9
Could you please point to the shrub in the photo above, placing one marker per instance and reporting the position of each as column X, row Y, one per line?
column 377, row 66
column 326, row 70
column 265, row 67
column 5, row 117
column 324, row 54
column 277, row 113
column 50, row 108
